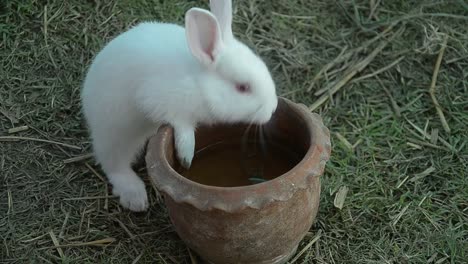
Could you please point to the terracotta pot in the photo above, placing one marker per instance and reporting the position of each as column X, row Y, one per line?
column 261, row 223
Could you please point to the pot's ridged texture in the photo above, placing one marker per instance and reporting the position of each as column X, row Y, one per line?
column 261, row 223
column 250, row 235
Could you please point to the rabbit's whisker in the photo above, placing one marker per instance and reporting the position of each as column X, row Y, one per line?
column 263, row 143
column 254, row 146
column 245, row 145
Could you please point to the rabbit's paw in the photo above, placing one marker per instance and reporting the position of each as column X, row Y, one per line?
column 185, row 145
column 132, row 192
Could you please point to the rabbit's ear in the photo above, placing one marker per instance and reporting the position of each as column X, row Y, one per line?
column 203, row 35
column 222, row 9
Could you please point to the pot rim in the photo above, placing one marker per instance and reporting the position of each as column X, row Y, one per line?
column 206, row 197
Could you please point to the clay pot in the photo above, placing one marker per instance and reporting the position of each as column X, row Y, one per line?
column 261, row 223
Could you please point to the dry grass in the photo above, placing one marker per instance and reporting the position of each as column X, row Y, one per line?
column 365, row 66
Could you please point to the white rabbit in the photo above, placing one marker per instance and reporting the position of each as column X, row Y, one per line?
column 162, row 73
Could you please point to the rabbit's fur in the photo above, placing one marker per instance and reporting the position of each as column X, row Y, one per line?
column 162, row 73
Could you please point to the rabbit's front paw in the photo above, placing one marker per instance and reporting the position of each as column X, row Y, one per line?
column 185, row 145
column 132, row 192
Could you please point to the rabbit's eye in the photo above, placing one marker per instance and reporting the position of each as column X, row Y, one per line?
column 243, row 88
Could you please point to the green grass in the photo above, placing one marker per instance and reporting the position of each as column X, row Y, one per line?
column 408, row 192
